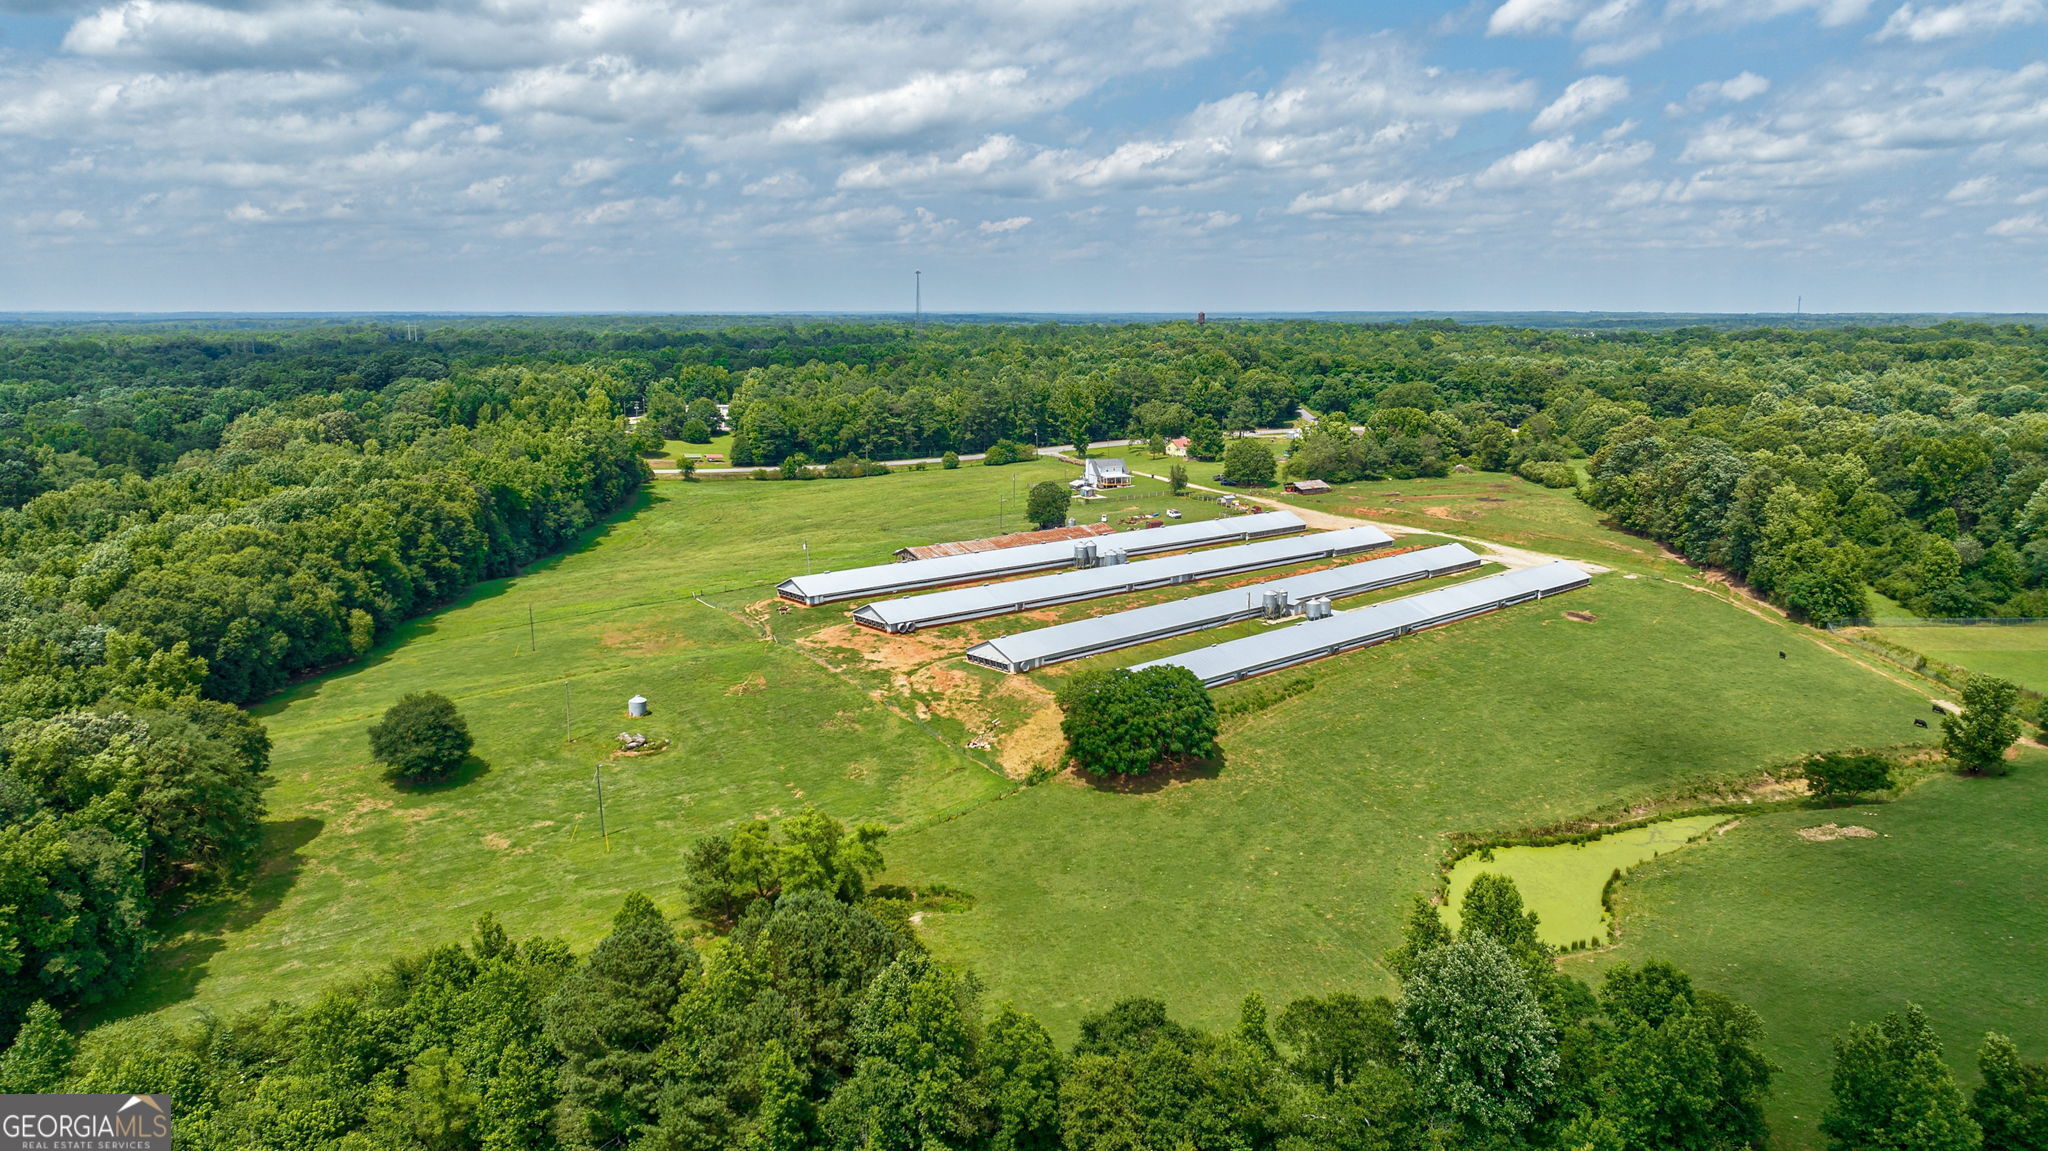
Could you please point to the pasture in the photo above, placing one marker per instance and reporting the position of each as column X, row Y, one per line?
column 1287, row 870
column 1283, row 869
column 1943, row 906
column 2017, row 652
column 357, row 870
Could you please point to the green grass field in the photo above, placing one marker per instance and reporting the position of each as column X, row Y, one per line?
column 1944, row 907
column 359, row 870
column 2018, row 652
column 1287, row 872
column 1562, row 882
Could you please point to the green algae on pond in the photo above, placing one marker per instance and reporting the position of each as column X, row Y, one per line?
column 1562, row 883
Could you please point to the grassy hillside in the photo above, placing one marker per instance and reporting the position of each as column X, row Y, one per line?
column 1943, row 907
column 358, row 870
column 2017, row 652
column 1284, row 870
column 1287, row 871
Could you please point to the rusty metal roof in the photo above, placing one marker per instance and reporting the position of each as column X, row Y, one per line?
column 993, row 543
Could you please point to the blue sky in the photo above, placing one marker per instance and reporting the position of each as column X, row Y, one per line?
column 1046, row 155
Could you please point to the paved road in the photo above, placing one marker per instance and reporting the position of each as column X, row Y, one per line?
column 971, row 457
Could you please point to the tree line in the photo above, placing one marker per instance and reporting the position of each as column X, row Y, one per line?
column 1809, row 463
column 800, row 1011
column 293, row 527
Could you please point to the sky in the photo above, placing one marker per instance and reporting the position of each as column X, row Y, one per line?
column 1024, row 155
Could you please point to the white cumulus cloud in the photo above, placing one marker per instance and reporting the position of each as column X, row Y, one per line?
column 1971, row 18
column 1582, row 99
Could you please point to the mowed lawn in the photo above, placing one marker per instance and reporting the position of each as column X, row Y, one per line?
column 1288, row 871
column 1945, row 908
column 358, row 870
column 2017, row 652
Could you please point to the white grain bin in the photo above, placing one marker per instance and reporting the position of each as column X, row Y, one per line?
column 637, row 706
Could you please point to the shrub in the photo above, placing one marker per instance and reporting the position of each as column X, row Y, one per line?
column 421, row 738
column 1549, row 473
column 949, row 461
column 1006, row 452
column 694, row 432
column 1831, row 775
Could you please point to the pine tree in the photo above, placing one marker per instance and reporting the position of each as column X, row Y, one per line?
column 609, row 1017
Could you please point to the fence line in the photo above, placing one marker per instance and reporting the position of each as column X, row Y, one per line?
column 1935, row 621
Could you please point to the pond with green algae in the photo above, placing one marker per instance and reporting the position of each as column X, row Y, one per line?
column 1562, row 883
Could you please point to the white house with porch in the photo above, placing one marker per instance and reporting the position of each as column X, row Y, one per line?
column 1105, row 473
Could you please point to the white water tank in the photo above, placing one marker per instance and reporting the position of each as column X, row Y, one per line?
column 637, row 706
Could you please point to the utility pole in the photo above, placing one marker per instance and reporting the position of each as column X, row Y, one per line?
column 600, row 809
column 917, row 323
column 531, row 642
column 566, row 734
column 807, row 557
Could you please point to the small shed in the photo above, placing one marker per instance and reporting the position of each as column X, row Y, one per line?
column 637, row 706
column 1307, row 487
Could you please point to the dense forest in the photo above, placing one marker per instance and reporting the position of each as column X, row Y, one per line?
column 182, row 534
column 813, row 1018
column 190, row 519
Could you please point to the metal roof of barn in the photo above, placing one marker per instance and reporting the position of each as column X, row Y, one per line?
column 997, row 543
column 913, row 612
column 884, row 579
column 1023, row 651
column 1285, row 647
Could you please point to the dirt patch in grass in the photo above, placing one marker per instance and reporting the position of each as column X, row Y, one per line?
column 353, row 822
column 497, row 842
column 895, row 653
column 1581, row 616
column 748, row 686
column 1034, row 744
column 1829, row 832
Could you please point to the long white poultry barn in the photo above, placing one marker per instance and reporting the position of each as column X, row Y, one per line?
column 1238, row 659
column 1278, row 598
column 917, row 575
column 960, row 604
